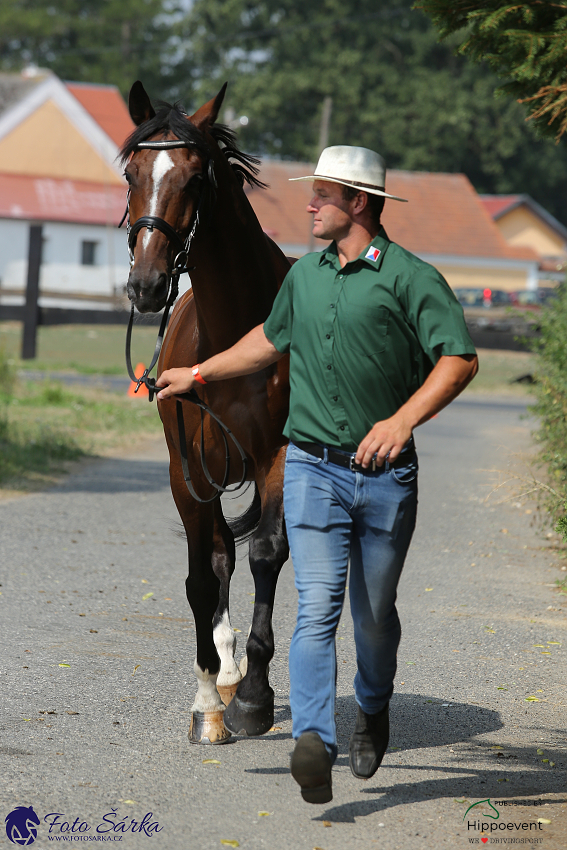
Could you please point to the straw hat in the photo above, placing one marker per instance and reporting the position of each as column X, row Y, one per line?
column 357, row 167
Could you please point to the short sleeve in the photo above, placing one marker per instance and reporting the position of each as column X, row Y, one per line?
column 278, row 325
column 436, row 315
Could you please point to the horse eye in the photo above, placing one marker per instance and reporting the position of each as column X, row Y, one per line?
column 127, row 177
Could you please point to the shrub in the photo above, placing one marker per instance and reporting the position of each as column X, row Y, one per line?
column 551, row 406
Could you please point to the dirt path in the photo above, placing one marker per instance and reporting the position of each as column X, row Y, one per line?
column 93, row 579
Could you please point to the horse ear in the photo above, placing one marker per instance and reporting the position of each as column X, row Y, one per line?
column 208, row 114
column 139, row 104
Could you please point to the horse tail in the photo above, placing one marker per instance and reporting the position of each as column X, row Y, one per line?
column 244, row 526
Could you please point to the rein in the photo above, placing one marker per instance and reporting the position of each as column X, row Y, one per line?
column 179, row 267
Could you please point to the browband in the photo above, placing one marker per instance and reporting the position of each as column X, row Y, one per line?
column 168, row 145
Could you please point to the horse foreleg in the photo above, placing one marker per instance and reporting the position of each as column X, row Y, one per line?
column 224, row 638
column 251, row 712
column 202, row 589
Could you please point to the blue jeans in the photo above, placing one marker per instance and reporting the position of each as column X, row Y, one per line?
column 334, row 515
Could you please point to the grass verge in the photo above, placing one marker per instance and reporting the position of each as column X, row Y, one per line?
column 499, row 372
column 86, row 349
column 44, row 425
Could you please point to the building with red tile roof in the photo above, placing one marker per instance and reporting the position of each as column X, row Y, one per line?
column 106, row 105
column 59, row 144
column 444, row 223
column 523, row 222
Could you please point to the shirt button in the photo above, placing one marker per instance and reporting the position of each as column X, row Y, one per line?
column 342, row 427
column 335, row 398
column 341, row 276
column 329, row 367
column 328, row 336
column 332, row 305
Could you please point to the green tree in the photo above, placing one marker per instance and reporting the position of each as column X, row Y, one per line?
column 394, row 87
column 100, row 41
column 526, row 43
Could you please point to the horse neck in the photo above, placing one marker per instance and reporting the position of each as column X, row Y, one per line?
column 236, row 275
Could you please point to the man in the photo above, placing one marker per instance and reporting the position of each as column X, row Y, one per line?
column 378, row 345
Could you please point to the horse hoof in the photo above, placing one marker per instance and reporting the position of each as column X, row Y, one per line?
column 226, row 692
column 248, row 719
column 207, row 727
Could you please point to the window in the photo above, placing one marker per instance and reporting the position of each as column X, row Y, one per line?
column 88, row 253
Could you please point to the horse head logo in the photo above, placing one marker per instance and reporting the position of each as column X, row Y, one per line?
column 484, row 814
column 21, row 826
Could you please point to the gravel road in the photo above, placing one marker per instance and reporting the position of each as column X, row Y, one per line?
column 97, row 675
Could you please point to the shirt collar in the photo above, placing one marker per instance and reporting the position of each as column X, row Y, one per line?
column 372, row 255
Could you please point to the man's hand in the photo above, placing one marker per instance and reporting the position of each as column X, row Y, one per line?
column 388, row 436
column 175, row 382
column 447, row 379
column 250, row 354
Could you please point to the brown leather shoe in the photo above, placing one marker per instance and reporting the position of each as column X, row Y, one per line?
column 311, row 768
column 369, row 742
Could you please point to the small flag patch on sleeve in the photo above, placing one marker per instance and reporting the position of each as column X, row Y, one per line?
column 372, row 253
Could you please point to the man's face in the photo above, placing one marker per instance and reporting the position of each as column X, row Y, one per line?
column 331, row 213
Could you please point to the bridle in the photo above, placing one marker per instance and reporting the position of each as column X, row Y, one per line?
column 179, row 267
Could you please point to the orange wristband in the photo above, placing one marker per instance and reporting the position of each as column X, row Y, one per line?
column 197, row 375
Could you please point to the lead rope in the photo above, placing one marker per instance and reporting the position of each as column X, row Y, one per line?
column 225, row 431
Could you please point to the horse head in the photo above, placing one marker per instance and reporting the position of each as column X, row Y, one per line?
column 169, row 173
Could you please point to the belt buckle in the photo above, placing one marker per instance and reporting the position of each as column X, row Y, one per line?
column 357, row 467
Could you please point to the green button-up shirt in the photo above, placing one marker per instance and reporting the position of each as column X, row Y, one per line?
column 362, row 339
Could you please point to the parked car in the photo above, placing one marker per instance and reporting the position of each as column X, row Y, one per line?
column 500, row 298
column 483, row 297
column 527, row 298
column 470, row 297
column 547, row 294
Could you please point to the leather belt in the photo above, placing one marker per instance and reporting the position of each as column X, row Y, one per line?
column 347, row 461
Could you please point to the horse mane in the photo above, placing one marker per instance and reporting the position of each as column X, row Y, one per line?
column 171, row 117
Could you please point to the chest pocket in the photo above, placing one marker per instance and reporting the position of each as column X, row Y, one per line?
column 365, row 329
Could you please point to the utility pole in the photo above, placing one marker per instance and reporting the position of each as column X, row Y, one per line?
column 325, row 123
column 323, row 143
column 31, row 308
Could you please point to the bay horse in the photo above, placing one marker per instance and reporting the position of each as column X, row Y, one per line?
column 187, row 171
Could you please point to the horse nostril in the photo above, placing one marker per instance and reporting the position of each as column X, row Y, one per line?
column 132, row 289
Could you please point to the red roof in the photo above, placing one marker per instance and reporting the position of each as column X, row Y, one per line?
column 47, row 199
column 444, row 214
column 496, row 204
column 106, row 105
column 281, row 207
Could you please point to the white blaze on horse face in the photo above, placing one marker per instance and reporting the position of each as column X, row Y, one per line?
column 225, row 642
column 162, row 164
column 207, row 697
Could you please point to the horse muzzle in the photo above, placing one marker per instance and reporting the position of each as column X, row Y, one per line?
column 148, row 291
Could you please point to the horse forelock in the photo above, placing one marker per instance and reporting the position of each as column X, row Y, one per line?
column 171, row 118
column 168, row 118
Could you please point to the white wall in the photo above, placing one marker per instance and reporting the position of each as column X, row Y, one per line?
column 62, row 270
column 61, row 266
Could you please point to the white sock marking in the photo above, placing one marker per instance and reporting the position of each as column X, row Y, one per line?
column 207, row 697
column 162, row 163
column 225, row 642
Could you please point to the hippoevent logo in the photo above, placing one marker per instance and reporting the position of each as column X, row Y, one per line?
column 21, row 826
column 494, row 825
